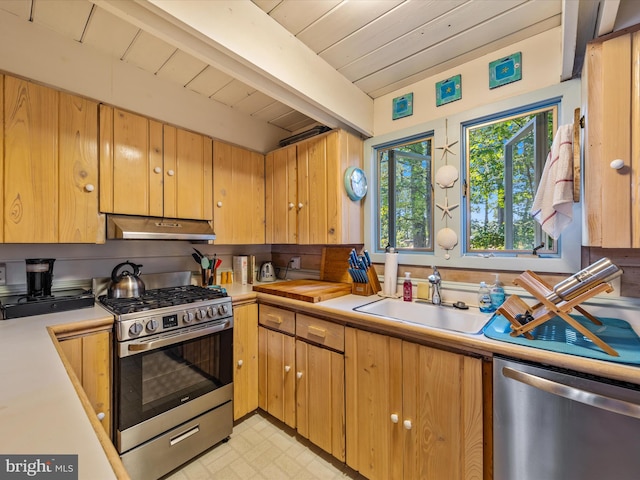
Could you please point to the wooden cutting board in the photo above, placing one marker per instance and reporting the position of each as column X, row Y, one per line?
column 313, row 291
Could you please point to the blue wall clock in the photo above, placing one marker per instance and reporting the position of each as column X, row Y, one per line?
column 505, row 70
column 449, row 90
column 355, row 183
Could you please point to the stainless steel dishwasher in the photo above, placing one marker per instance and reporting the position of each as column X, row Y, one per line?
column 554, row 424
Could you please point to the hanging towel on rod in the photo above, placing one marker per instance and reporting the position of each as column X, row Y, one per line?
column 553, row 203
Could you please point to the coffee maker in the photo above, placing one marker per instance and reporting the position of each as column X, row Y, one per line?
column 39, row 277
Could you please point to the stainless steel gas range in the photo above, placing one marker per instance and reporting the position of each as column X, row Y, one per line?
column 173, row 376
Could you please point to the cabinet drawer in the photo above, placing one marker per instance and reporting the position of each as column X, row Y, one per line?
column 278, row 319
column 321, row 332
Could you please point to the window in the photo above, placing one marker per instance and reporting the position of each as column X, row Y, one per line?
column 405, row 210
column 505, row 156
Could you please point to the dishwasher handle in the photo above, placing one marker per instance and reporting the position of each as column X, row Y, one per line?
column 588, row 398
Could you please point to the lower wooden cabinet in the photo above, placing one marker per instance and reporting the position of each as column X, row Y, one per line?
column 245, row 360
column 320, row 397
column 90, row 358
column 276, row 380
column 412, row 411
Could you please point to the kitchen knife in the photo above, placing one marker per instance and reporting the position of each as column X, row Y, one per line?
column 196, row 258
column 367, row 258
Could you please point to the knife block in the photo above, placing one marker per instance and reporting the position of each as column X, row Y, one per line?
column 372, row 286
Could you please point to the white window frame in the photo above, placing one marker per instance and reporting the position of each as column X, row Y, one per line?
column 568, row 260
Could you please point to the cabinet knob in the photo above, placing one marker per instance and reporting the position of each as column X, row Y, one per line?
column 299, row 375
column 171, row 173
column 617, row 164
column 291, row 205
column 101, row 415
column 240, row 362
column 89, row 187
column 300, row 205
column 287, row 368
column 394, row 417
column 219, row 204
column 157, row 170
column 407, row 424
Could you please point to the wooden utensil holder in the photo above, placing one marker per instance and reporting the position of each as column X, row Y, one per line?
column 514, row 307
column 371, row 287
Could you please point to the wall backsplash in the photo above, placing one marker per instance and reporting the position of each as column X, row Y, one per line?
column 78, row 263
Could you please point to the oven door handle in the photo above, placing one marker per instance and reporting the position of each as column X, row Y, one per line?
column 164, row 342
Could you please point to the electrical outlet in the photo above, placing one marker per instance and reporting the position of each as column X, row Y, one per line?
column 3, row 273
column 295, row 263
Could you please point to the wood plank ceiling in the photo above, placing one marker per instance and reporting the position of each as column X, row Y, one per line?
column 378, row 45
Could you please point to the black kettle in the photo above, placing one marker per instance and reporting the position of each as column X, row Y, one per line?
column 126, row 284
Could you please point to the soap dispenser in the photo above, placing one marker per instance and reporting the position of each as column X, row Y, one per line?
column 407, row 288
column 497, row 293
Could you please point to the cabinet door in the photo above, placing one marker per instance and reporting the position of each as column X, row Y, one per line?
column 90, row 359
column 281, row 196
column 245, row 358
column 276, row 384
column 2, row 187
column 442, row 401
column 373, row 369
column 188, row 176
column 131, row 163
column 80, row 221
column 611, row 89
column 239, row 195
column 320, row 397
column 31, row 163
column 312, row 191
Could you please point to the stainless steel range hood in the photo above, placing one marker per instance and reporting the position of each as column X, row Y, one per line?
column 152, row 228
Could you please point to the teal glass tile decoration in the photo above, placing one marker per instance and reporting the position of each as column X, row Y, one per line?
column 505, row 70
column 449, row 90
column 402, row 106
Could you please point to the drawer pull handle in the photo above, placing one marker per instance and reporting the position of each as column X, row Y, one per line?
column 287, row 368
column 274, row 319
column 240, row 362
column 394, row 418
column 407, row 424
column 184, row 435
column 317, row 331
column 101, row 416
column 299, row 375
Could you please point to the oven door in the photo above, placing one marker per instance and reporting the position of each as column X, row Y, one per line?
column 167, row 379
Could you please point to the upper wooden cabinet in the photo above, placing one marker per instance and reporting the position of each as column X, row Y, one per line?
column 306, row 199
column 239, row 195
column 611, row 108
column 49, row 171
column 151, row 169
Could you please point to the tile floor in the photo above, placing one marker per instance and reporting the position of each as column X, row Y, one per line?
column 260, row 448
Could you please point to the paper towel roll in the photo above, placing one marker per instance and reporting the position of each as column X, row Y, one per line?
column 390, row 274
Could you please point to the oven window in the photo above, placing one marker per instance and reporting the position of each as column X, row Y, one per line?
column 156, row 381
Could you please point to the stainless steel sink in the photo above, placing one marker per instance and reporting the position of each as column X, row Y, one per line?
column 436, row 316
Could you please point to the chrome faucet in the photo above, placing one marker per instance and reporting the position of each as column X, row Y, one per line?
column 434, row 280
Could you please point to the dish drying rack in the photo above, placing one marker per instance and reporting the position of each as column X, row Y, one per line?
column 525, row 318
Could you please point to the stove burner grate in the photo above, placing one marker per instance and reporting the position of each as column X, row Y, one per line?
column 161, row 297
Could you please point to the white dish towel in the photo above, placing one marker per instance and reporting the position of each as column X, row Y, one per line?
column 553, row 203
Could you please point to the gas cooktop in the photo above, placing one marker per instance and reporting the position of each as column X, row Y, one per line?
column 160, row 298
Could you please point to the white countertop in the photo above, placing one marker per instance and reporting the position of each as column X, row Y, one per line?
column 40, row 412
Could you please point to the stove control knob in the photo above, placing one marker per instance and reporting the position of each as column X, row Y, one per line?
column 152, row 325
column 187, row 317
column 201, row 314
column 211, row 312
column 135, row 329
column 223, row 309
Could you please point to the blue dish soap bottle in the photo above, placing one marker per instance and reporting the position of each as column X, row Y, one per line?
column 484, row 298
column 497, row 293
